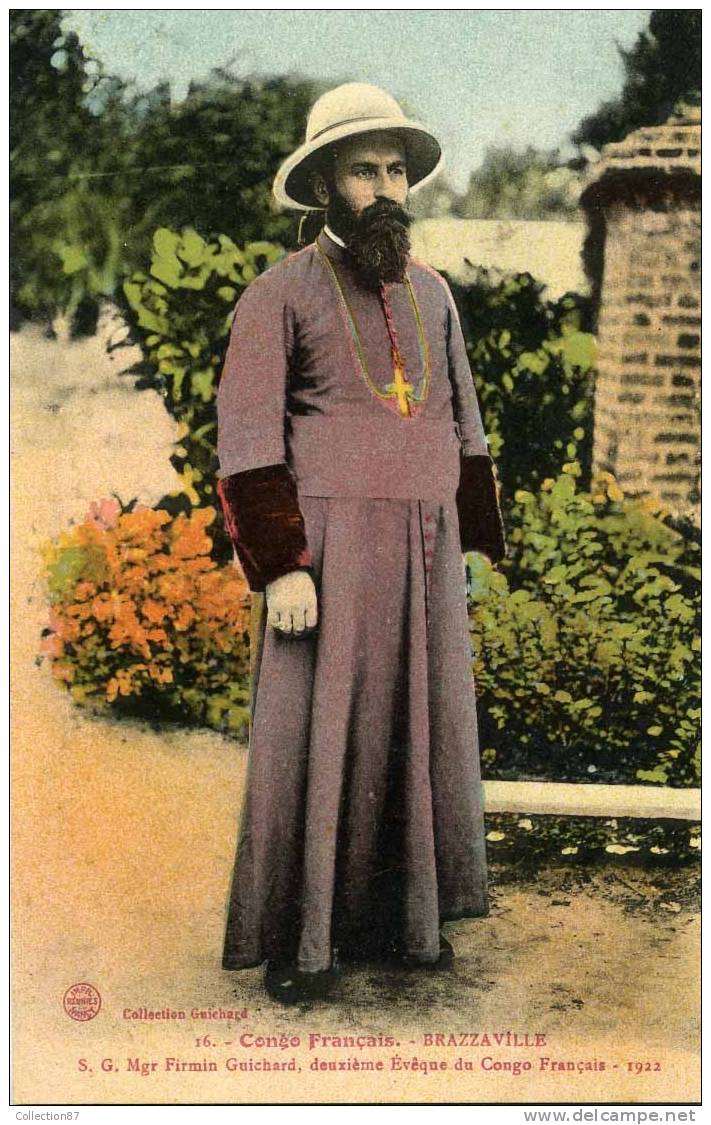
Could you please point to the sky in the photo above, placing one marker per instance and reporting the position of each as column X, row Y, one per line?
column 476, row 78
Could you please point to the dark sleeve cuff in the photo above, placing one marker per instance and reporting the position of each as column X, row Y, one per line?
column 265, row 523
column 481, row 526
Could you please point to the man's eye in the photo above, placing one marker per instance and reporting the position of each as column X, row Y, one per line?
column 365, row 173
column 398, row 172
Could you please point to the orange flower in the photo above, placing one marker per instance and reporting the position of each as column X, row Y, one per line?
column 174, row 587
column 188, row 534
column 157, row 635
column 134, row 578
column 84, row 590
column 135, row 554
column 160, row 675
column 197, row 566
column 79, row 609
column 124, row 681
column 154, row 611
column 52, row 645
column 63, row 672
column 185, row 617
column 104, row 606
column 127, row 630
column 70, row 631
column 56, row 620
column 83, row 535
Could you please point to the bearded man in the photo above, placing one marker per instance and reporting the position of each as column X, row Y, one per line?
column 354, row 471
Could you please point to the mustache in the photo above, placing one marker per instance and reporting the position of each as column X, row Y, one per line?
column 384, row 214
column 381, row 215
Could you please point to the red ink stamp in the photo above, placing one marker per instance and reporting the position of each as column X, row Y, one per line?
column 82, row 1002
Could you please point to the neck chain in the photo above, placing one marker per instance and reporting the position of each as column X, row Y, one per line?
column 400, row 390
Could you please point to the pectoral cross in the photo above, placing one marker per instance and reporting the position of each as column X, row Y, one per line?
column 400, row 388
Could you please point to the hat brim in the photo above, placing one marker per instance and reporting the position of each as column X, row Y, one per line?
column 293, row 182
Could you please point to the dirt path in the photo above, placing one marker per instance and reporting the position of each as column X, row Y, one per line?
column 123, row 843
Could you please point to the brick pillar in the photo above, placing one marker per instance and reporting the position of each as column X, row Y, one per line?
column 643, row 211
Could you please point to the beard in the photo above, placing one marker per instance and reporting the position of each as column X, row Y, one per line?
column 378, row 238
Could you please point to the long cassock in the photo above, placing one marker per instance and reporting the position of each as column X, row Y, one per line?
column 350, row 443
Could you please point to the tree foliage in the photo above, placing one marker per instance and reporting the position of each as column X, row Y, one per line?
column 96, row 167
column 662, row 68
column 69, row 225
column 434, row 201
column 532, row 361
column 180, row 312
column 587, row 642
column 209, row 161
column 520, row 185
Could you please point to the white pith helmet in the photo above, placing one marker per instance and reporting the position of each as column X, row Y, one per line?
column 347, row 111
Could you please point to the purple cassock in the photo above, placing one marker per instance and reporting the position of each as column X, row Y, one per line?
column 362, row 827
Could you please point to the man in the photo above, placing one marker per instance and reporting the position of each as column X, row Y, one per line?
column 354, row 471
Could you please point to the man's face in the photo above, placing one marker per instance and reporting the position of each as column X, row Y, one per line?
column 364, row 195
column 369, row 168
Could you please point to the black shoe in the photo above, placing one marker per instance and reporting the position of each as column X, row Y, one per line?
column 446, row 954
column 444, row 962
column 378, row 952
column 289, row 985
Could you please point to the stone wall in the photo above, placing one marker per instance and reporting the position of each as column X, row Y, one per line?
column 549, row 250
column 645, row 201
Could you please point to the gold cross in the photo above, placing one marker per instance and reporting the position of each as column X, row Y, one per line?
column 400, row 388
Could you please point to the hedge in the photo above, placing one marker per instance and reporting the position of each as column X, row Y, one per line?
column 586, row 641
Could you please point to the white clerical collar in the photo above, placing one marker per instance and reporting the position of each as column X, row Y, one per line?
column 334, row 237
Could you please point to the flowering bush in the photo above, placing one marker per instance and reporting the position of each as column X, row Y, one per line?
column 587, row 642
column 144, row 620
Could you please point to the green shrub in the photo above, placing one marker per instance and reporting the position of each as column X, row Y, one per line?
column 532, row 361
column 143, row 621
column 181, row 314
column 587, row 642
column 96, row 165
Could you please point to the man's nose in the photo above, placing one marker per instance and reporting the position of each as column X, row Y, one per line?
column 384, row 187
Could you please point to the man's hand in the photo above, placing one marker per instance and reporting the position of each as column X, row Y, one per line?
column 291, row 604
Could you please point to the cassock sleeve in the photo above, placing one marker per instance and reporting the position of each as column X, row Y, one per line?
column 256, row 488
column 478, row 496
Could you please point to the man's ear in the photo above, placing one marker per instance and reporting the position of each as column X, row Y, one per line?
column 320, row 190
